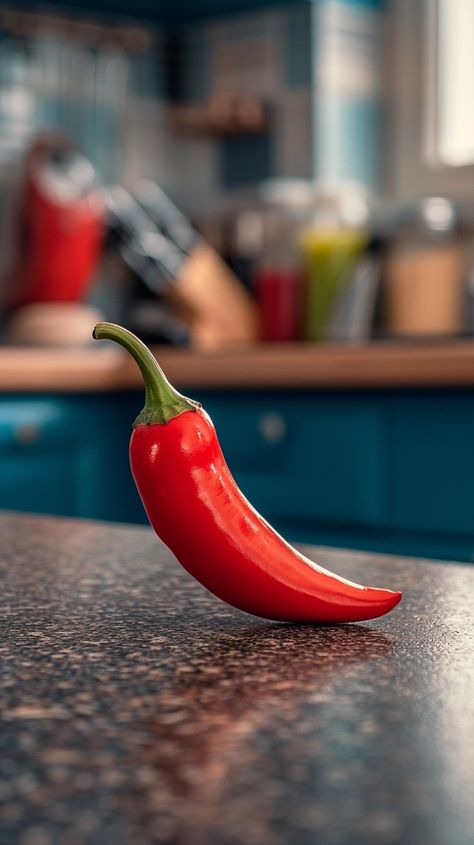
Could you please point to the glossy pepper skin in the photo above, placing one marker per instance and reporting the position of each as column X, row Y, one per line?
column 197, row 509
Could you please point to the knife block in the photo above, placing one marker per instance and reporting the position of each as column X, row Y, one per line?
column 211, row 300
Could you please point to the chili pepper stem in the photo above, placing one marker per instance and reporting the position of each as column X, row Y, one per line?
column 162, row 401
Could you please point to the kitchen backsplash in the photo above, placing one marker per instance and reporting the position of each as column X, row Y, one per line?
column 141, row 102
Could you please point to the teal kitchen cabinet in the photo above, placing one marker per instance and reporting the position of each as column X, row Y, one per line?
column 304, row 459
column 384, row 470
column 370, row 469
column 61, row 455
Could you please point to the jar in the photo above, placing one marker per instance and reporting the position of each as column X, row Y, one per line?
column 277, row 275
column 330, row 247
column 425, row 271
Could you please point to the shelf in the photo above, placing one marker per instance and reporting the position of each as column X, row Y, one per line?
column 159, row 11
column 376, row 365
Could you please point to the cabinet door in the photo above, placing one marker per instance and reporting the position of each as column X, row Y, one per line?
column 307, row 458
column 430, row 462
column 68, row 455
column 42, row 455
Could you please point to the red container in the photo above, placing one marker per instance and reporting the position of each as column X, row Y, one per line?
column 278, row 295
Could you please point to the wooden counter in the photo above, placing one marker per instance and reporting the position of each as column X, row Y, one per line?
column 378, row 365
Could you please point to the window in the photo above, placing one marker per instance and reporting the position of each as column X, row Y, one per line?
column 454, row 81
column 430, row 105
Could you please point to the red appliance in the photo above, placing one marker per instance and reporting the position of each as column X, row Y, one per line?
column 60, row 226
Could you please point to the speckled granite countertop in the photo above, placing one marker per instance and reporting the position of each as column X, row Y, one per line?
column 137, row 709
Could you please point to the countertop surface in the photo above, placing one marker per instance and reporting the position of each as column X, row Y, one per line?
column 302, row 365
column 138, row 709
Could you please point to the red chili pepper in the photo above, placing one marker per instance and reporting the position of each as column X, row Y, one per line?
column 195, row 506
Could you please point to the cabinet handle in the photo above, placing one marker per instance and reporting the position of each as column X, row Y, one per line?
column 272, row 427
column 27, row 433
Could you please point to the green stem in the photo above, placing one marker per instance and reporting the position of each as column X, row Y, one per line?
column 162, row 401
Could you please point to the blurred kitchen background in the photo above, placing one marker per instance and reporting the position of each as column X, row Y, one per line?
column 279, row 198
